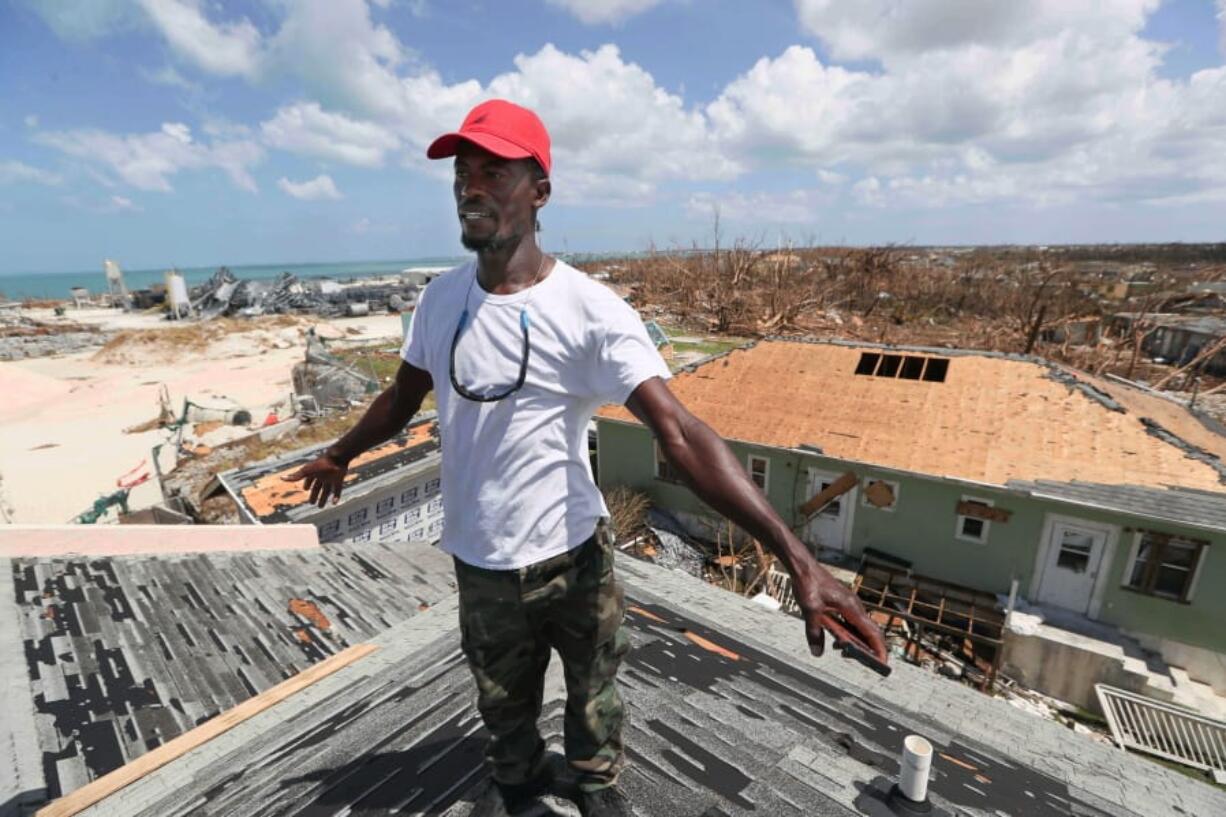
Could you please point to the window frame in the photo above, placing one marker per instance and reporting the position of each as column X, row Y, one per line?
column 961, row 519
column 1149, row 578
column 894, row 486
column 661, row 464
column 766, row 471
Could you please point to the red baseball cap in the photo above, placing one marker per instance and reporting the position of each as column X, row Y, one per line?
column 503, row 128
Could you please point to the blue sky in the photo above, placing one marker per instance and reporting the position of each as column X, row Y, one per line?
column 200, row 132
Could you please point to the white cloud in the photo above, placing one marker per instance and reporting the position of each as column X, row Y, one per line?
column 346, row 61
column 794, row 207
column 893, row 29
column 168, row 76
column 148, row 161
column 1042, row 101
column 320, row 187
column 306, row 128
column 1221, row 22
column 85, row 21
column 972, row 103
column 14, row 172
column 594, row 12
column 225, row 49
column 608, row 117
column 120, row 203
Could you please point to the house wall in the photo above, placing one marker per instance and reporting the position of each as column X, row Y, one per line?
column 922, row 527
column 410, row 509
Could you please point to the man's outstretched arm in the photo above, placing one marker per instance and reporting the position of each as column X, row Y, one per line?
column 712, row 471
column 390, row 412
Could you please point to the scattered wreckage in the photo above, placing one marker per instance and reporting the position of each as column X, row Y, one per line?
column 225, row 295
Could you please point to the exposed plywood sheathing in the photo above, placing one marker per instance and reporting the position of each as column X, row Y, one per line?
column 108, row 784
column 995, row 418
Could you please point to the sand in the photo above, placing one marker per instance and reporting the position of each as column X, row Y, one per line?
column 63, row 418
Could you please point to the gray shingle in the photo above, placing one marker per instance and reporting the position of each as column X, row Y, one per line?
column 772, row 732
column 1179, row 505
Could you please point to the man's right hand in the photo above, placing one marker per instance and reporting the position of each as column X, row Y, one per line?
column 324, row 477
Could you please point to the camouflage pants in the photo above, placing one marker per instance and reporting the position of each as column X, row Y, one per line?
column 509, row 620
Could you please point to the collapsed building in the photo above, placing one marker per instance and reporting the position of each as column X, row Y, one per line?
column 391, row 492
column 225, row 295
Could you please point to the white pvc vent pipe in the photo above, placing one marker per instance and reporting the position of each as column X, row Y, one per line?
column 916, row 763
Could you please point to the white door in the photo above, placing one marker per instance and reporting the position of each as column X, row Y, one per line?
column 1074, row 555
column 828, row 527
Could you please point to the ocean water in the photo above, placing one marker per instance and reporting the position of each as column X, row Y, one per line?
column 59, row 284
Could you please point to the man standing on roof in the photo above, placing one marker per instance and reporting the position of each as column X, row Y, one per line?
column 521, row 349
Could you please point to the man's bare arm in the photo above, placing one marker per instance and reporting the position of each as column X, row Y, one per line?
column 390, row 412
column 713, row 472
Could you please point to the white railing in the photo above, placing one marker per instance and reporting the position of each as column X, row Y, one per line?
column 779, row 588
column 1165, row 730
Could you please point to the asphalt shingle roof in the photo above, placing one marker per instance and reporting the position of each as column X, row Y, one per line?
column 1181, row 505
column 754, row 726
column 125, row 653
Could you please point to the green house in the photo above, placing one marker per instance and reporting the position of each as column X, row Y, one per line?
column 1097, row 496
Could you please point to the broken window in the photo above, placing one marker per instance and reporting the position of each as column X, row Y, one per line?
column 759, row 468
column 1165, row 566
column 973, row 528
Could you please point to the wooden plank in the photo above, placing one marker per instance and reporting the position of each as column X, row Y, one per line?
column 108, row 784
column 834, row 490
column 977, row 511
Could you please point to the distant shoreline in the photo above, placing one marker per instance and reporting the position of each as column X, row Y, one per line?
column 58, row 285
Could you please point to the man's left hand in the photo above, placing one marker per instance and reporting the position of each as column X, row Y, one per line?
column 824, row 594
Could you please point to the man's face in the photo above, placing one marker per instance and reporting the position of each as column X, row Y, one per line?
column 496, row 198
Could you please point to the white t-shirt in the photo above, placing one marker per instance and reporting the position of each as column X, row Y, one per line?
column 517, row 482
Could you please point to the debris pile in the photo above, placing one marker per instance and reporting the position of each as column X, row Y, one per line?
column 327, row 380
column 23, row 337
column 224, row 295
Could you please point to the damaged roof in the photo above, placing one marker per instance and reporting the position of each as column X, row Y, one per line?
column 728, row 716
column 264, row 496
column 1203, row 509
column 124, row 653
column 994, row 418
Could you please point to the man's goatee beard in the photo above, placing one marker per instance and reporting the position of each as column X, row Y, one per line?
column 493, row 243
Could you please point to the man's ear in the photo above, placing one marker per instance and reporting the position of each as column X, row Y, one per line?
column 543, row 188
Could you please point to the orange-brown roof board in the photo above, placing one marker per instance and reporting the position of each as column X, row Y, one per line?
column 271, row 493
column 993, row 418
